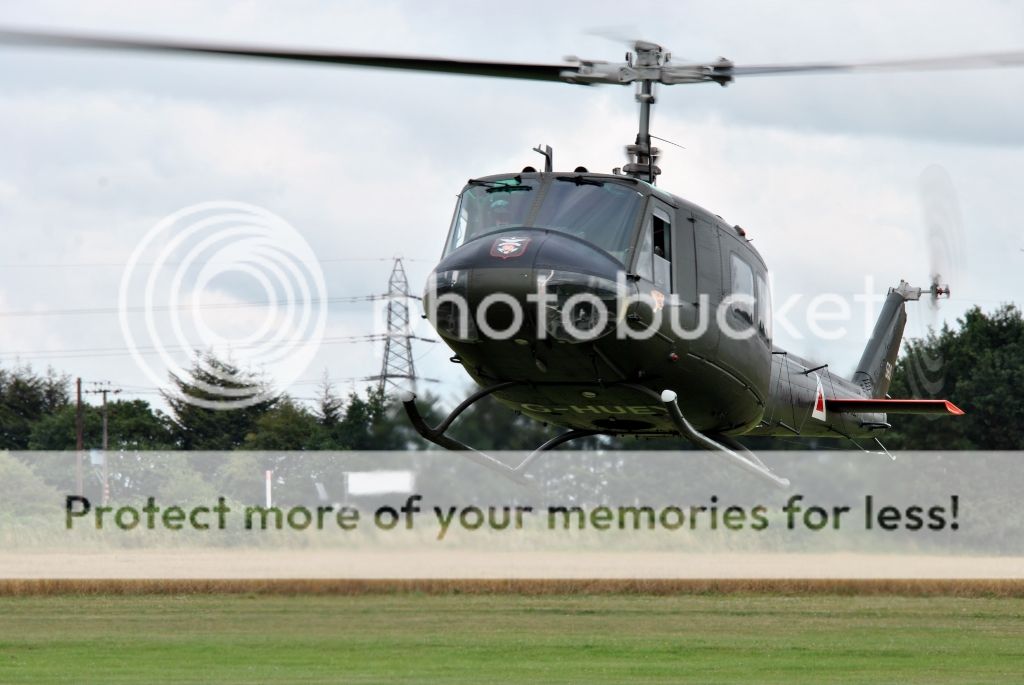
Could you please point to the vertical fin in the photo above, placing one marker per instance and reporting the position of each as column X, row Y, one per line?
column 874, row 371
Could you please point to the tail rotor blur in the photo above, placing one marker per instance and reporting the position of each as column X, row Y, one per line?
column 944, row 234
column 944, row 241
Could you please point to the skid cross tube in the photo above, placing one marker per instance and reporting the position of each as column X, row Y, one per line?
column 555, row 442
column 437, row 435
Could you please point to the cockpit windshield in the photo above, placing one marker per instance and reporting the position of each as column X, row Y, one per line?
column 486, row 206
column 602, row 213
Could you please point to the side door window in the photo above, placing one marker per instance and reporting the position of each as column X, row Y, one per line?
column 654, row 258
column 661, row 225
column 645, row 255
column 764, row 308
column 744, row 304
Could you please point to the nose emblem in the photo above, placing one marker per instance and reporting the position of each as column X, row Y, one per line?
column 507, row 247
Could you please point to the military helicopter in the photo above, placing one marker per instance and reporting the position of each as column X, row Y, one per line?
column 605, row 305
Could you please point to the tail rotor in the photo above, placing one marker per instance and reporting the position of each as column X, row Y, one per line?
column 944, row 239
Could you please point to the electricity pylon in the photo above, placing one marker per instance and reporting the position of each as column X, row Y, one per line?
column 398, row 372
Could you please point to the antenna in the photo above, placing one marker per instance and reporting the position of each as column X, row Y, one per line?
column 398, row 361
column 549, row 157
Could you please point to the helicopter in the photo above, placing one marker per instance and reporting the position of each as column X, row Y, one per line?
column 605, row 305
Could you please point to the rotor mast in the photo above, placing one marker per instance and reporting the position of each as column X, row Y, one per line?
column 642, row 156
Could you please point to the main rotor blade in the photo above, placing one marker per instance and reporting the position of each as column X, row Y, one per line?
column 979, row 61
column 535, row 72
column 582, row 72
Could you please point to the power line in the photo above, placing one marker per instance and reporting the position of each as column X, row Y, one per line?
column 61, row 265
column 349, row 379
column 150, row 349
column 152, row 390
column 189, row 307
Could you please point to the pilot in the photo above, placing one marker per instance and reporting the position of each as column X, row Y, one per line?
column 501, row 214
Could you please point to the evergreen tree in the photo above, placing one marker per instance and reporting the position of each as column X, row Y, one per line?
column 329, row 408
column 372, row 424
column 216, row 426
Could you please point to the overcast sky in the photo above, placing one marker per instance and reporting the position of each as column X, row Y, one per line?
column 822, row 171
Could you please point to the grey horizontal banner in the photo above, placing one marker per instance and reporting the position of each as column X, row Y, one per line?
column 566, row 515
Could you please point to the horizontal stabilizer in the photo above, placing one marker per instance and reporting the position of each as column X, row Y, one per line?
column 888, row 406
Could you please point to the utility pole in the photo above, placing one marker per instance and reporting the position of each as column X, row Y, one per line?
column 103, row 388
column 79, row 438
column 398, row 361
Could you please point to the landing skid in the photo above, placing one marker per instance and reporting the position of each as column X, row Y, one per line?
column 724, row 444
column 437, row 435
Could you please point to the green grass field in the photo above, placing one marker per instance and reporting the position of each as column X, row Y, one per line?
column 412, row 638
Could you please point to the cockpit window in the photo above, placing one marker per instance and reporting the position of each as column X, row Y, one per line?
column 487, row 206
column 600, row 213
